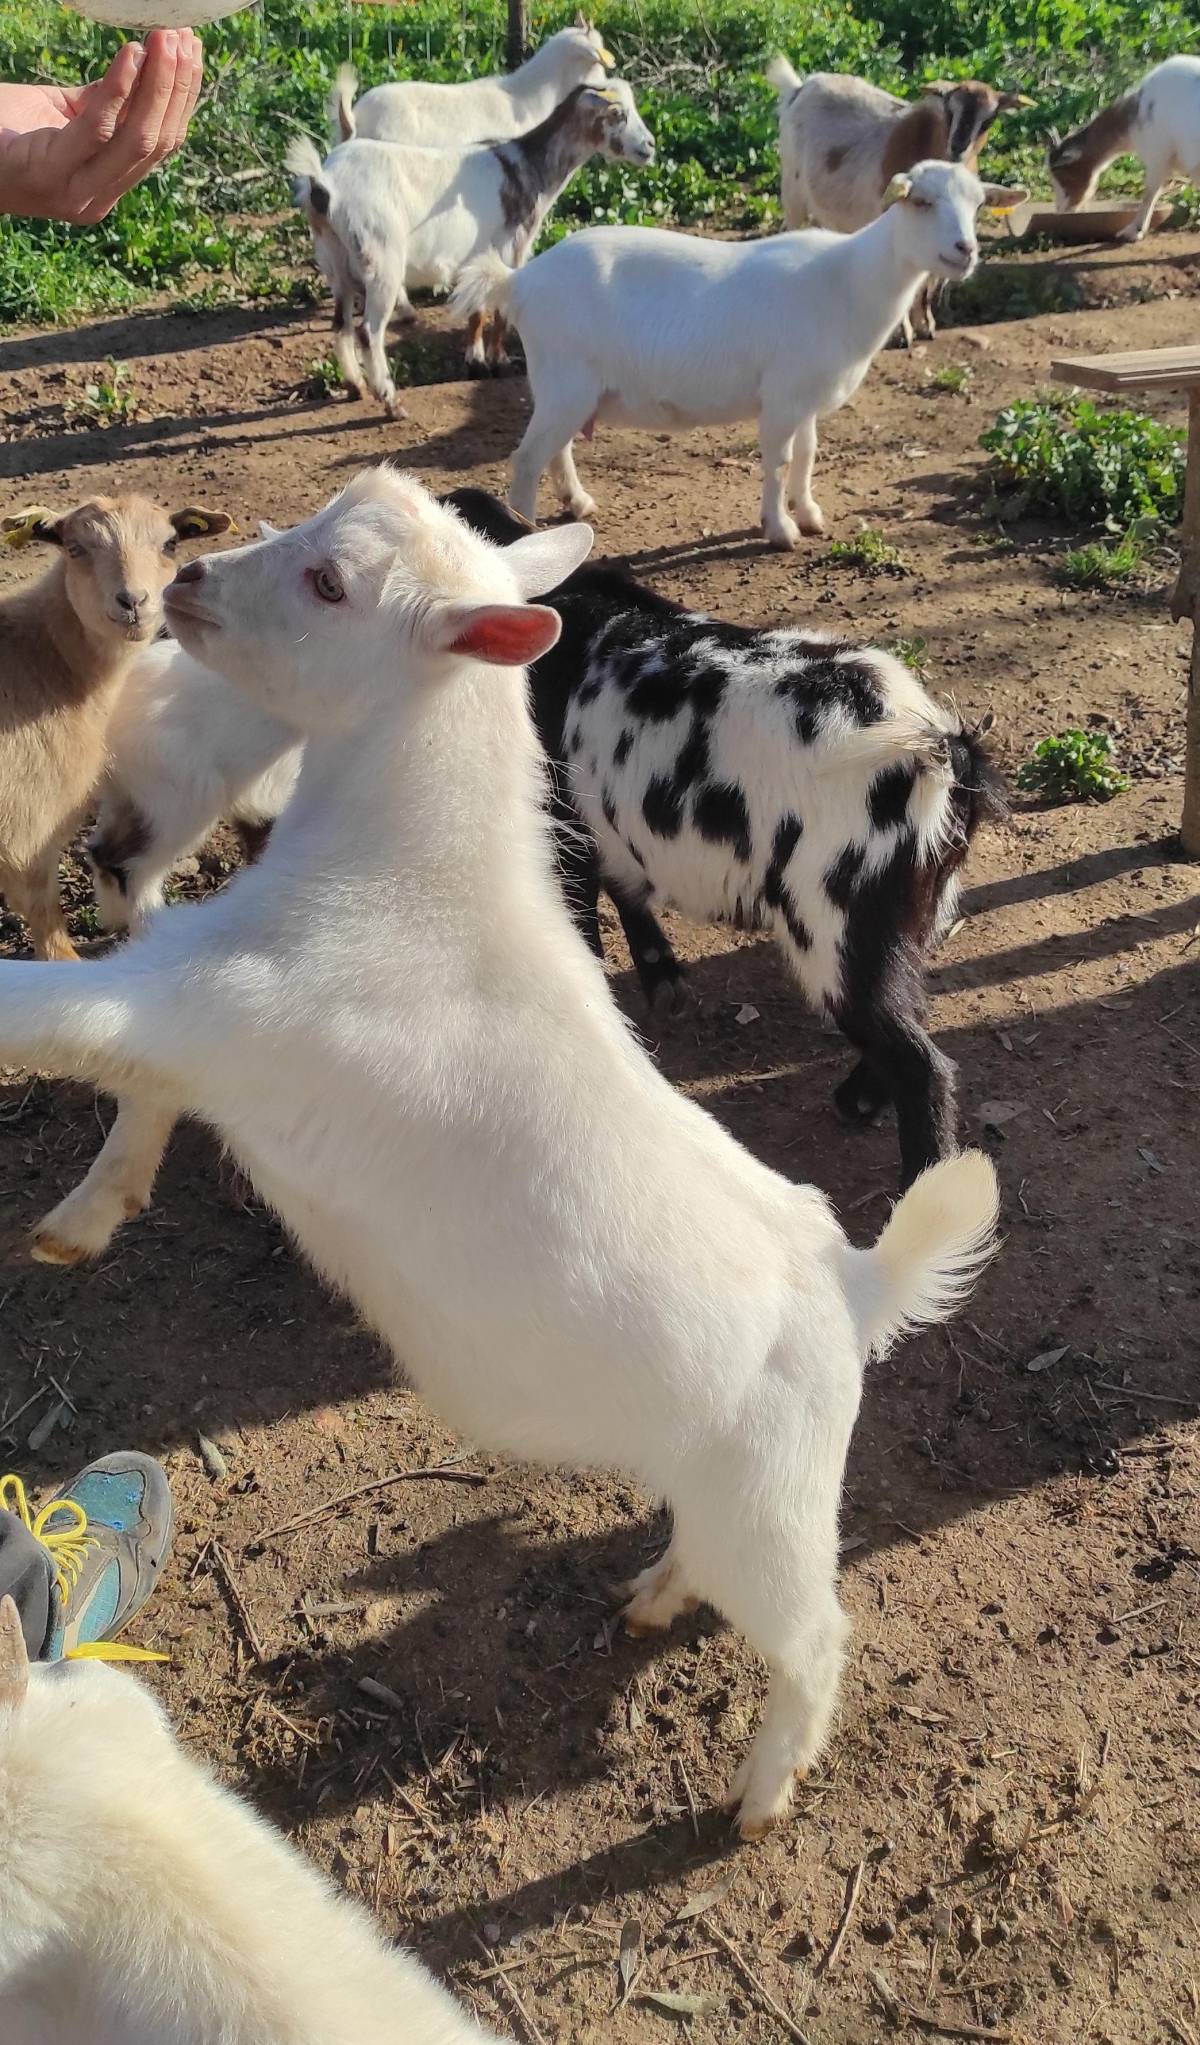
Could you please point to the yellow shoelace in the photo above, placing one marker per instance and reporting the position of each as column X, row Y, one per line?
column 67, row 1548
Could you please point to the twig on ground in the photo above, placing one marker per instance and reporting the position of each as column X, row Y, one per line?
column 925, row 2020
column 444, row 1470
column 851, row 1904
column 237, row 1600
column 747, row 1972
column 510, row 1989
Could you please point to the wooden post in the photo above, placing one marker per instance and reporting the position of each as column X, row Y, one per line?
column 518, row 33
column 1186, row 604
column 1167, row 369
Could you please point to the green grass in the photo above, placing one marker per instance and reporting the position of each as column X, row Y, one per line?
column 1103, row 564
column 1077, row 766
column 870, row 553
column 955, row 377
column 110, row 401
column 200, row 229
column 1061, row 456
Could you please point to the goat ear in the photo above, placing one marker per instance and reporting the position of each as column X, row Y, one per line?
column 899, row 188
column 193, row 523
column 1002, row 198
column 940, row 86
column 23, row 527
column 267, row 531
column 509, row 635
column 14, row 1657
column 540, row 561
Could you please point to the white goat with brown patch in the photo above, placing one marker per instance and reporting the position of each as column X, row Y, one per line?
column 66, row 645
column 842, row 141
column 386, row 219
column 1159, row 122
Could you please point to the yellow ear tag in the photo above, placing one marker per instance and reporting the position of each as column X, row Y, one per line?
column 18, row 530
column 606, row 58
column 1023, row 100
column 112, row 1651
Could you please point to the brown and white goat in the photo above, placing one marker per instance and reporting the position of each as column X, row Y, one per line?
column 66, row 645
column 842, row 141
column 1159, row 122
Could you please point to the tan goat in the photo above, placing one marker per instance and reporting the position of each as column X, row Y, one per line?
column 66, row 644
column 842, row 141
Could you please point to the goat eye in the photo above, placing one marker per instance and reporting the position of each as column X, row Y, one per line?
column 327, row 586
column 171, row 546
column 75, row 551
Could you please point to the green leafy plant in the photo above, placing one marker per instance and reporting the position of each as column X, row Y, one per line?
column 1075, row 766
column 1062, row 456
column 869, row 552
column 1103, row 564
column 108, row 401
column 321, row 379
column 914, row 653
column 955, row 377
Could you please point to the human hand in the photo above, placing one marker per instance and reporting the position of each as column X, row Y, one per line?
column 69, row 152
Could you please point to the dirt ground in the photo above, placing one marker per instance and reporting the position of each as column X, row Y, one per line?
column 1009, row 1805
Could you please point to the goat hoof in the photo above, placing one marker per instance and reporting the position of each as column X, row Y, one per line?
column 395, row 410
column 46, row 1248
column 671, row 997
column 476, row 368
column 858, row 1104
column 354, row 394
column 784, row 539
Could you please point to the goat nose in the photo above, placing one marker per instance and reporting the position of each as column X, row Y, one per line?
column 194, row 572
column 132, row 599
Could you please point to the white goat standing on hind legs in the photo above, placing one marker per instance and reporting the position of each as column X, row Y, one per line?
column 142, row 1904
column 396, row 1028
column 634, row 326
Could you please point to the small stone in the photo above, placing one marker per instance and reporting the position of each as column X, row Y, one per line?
column 975, row 1930
column 492, row 1933
column 882, row 1933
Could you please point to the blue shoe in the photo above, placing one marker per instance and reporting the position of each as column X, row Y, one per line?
column 107, row 1535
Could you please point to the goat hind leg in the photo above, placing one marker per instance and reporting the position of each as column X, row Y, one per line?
column 383, row 292
column 545, row 438
column 795, row 1722
column 118, row 1185
column 887, row 1027
column 564, row 479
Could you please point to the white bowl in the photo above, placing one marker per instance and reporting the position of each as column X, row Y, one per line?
column 148, row 14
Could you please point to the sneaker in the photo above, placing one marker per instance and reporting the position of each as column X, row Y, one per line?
column 107, row 1535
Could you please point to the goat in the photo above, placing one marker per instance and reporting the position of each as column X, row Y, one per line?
column 394, row 1025
column 185, row 750
column 1158, row 122
column 842, row 141
column 634, row 326
column 426, row 116
column 384, row 218
column 66, row 645
column 753, row 777
column 141, row 1902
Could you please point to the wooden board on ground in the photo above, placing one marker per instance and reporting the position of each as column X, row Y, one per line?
column 1095, row 220
column 1140, row 369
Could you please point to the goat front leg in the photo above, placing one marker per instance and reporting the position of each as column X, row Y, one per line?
column 34, row 894
column 1136, row 230
column 117, row 1187
column 476, row 355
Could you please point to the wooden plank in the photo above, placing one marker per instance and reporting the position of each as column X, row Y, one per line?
column 1139, row 369
column 1185, row 604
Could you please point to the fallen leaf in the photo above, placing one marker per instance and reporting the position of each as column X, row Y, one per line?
column 211, row 1457
column 629, row 1956
column 1148, row 1158
column 697, row 1905
column 994, row 1114
column 747, row 1013
column 1047, row 1357
column 682, row 2005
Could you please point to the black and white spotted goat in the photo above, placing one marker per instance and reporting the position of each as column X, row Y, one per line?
column 779, row 780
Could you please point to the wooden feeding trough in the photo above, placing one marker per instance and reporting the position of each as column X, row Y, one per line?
column 1095, row 220
column 1167, row 369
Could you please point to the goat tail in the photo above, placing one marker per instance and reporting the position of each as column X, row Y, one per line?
column 483, row 286
column 783, row 76
column 302, row 160
column 342, row 125
column 941, row 1234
